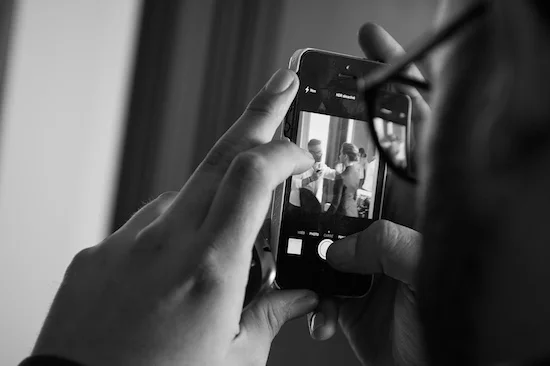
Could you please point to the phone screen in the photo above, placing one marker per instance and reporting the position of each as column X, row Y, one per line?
column 342, row 193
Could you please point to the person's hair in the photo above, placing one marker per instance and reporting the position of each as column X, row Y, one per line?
column 313, row 142
column 494, row 110
column 351, row 151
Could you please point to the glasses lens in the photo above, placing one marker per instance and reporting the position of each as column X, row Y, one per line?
column 392, row 138
column 396, row 117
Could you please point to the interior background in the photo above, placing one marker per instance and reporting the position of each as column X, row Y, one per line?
column 108, row 103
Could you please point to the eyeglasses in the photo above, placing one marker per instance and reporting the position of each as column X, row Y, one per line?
column 387, row 89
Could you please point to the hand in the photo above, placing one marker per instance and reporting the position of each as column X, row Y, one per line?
column 168, row 287
column 382, row 327
column 315, row 176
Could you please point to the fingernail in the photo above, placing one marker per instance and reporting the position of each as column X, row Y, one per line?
column 342, row 252
column 280, row 81
column 317, row 321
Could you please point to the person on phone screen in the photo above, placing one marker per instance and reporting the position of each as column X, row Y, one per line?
column 370, row 172
column 363, row 164
column 344, row 198
column 308, row 186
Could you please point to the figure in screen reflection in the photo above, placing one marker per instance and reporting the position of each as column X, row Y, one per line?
column 306, row 193
column 340, row 185
column 344, row 197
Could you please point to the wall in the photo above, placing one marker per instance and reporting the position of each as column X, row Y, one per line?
column 333, row 25
column 61, row 129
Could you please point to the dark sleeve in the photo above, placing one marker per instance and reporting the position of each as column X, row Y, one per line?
column 48, row 361
column 400, row 202
column 336, row 195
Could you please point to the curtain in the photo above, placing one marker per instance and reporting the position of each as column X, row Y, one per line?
column 7, row 11
column 197, row 65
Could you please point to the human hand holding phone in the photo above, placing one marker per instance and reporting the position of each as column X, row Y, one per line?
column 382, row 327
column 168, row 287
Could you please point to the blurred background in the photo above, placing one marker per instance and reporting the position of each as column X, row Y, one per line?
column 104, row 104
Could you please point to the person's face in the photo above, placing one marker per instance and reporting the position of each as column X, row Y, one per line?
column 343, row 158
column 486, row 250
column 317, row 152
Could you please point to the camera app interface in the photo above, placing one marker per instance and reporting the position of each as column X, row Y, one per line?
column 342, row 192
column 343, row 178
column 336, row 196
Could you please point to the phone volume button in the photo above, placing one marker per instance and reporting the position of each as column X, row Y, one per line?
column 290, row 116
column 287, row 129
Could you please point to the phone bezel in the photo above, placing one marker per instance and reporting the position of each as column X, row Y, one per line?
column 280, row 192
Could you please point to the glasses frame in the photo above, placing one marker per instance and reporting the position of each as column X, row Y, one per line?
column 393, row 73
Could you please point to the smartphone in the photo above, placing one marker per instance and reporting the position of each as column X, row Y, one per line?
column 343, row 192
column 262, row 267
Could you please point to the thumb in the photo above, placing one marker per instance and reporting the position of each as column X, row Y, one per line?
column 264, row 318
column 384, row 247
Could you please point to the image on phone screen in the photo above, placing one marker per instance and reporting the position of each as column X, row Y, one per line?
column 342, row 181
column 342, row 192
column 337, row 196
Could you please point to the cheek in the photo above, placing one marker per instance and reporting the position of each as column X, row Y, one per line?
column 486, row 230
column 453, row 228
column 447, row 10
column 514, row 311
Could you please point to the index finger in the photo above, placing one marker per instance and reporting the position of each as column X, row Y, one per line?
column 241, row 204
column 256, row 126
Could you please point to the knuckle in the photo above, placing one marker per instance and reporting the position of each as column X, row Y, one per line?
column 261, row 106
column 79, row 262
column 152, row 237
column 163, row 202
column 167, row 196
column 251, row 166
column 82, row 256
column 273, row 318
column 208, row 275
column 382, row 232
column 387, row 237
column 221, row 155
column 382, row 228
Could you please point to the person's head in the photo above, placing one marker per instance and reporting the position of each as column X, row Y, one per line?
column 484, row 281
column 348, row 153
column 315, row 149
column 362, row 153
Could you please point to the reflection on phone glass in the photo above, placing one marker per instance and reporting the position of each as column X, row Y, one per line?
column 342, row 181
column 342, row 192
column 336, row 197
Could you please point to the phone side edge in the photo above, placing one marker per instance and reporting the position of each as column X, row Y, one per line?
column 279, row 192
